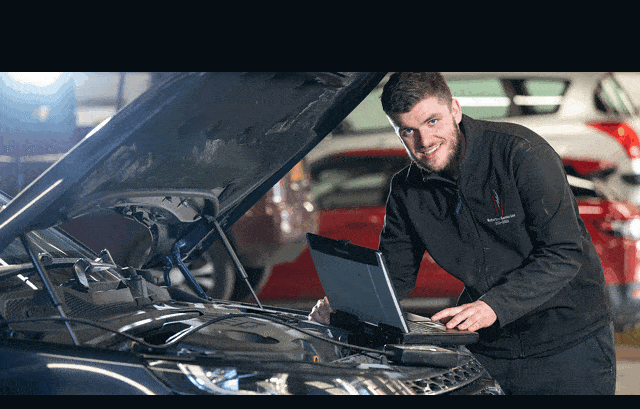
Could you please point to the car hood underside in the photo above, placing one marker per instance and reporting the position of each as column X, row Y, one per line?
column 197, row 147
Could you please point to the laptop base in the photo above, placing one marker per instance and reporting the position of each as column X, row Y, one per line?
column 427, row 355
column 365, row 334
column 374, row 336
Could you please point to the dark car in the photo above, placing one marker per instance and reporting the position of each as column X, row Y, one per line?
column 187, row 159
column 351, row 187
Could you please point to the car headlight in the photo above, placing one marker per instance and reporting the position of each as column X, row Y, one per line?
column 270, row 378
column 227, row 380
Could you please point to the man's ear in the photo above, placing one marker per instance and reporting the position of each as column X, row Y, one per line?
column 456, row 110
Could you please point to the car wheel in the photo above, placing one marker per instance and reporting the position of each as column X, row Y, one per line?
column 215, row 274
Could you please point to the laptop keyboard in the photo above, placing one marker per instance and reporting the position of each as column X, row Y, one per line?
column 424, row 331
column 426, row 326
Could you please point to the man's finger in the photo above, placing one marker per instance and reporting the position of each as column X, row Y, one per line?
column 468, row 322
column 471, row 317
column 321, row 311
column 448, row 312
column 474, row 326
column 318, row 317
column 460, row 317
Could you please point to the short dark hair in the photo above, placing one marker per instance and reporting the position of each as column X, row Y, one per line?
column 405, row 89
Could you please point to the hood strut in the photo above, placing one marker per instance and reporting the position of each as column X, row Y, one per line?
column 45, row 279
column 236, row 261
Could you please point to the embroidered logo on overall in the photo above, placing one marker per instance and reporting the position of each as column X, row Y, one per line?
column 498, row 205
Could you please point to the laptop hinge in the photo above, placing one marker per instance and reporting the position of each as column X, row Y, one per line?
column 363, row 333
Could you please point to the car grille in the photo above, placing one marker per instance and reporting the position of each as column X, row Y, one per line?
column 466, row 379
column 469, row 378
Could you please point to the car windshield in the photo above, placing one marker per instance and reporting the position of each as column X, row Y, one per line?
column 345, row 181
column 612, row 98
column 52, row 241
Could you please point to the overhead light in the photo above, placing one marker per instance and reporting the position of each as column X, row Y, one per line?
column 483, row 101
column 39, row 79
column 536, row 100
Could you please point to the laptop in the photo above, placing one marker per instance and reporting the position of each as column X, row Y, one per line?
column 357, row 285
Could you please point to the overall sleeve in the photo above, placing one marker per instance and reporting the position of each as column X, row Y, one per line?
column 398, row 244
column 555, row 232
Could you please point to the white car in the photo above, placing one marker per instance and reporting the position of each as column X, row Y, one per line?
column 587, row 117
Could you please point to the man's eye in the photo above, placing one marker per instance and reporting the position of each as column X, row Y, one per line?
column 406, row 132
column 433, row 122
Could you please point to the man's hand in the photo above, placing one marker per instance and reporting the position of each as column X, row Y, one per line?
column 469, row 317
column 320, row 311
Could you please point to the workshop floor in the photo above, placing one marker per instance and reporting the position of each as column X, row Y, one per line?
column 628, row 359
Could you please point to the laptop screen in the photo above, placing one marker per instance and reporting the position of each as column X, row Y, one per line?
column 355, row 280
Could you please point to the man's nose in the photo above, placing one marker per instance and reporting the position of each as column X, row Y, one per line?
column 420, row 139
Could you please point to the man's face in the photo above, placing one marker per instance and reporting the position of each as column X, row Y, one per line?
column 430, row 132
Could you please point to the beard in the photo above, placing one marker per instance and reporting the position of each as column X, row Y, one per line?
column 453, row 156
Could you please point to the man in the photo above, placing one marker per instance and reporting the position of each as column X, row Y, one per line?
column 491, row 204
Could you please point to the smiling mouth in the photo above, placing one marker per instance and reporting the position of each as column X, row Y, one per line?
column 430, row 152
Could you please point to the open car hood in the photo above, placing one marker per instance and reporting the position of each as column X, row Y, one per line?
column 195, row 148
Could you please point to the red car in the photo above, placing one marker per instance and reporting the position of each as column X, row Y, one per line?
column 350, row 189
